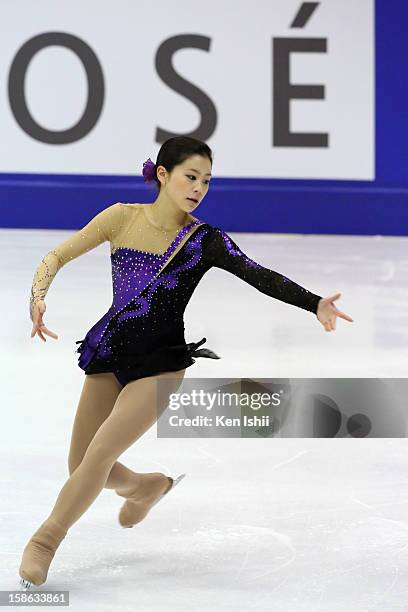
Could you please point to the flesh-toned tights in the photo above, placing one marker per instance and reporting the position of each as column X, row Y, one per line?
column 109, row 419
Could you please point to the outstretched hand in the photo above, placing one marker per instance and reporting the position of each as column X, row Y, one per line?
column 38, row 323
column 327, row 312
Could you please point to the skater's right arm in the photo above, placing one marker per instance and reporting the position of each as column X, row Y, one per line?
column 102, row 227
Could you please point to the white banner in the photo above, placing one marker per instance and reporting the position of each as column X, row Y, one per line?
column 277, row 88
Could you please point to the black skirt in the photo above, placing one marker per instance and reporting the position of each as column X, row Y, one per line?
column 130, row 365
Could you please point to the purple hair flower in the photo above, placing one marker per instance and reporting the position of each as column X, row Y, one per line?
column 149, row 170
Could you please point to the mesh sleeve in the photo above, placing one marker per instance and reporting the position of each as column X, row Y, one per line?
column 102, row 227
column 223, row 252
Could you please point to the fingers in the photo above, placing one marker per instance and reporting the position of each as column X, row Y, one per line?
column 38, row 325
column 333, row 297
column 327, row 326
column 330, row 324
column 41, row 330
column 47, row 331
column 339, row 313
column 344, row 316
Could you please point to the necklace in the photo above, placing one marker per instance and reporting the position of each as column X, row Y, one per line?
column 165, row 231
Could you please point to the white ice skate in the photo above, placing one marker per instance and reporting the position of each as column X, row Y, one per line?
column 173, row 484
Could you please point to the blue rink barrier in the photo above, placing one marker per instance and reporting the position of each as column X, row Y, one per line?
column 237, row 205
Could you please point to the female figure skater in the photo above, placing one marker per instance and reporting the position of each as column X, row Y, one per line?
column 159, row 253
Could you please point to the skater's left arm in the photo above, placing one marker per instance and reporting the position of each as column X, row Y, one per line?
column 224, row 253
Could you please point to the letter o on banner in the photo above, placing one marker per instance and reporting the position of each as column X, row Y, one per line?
column 96, row 88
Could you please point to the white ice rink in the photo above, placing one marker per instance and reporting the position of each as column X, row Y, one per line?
column 285, row 525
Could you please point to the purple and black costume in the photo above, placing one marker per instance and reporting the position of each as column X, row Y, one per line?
column 142, row 333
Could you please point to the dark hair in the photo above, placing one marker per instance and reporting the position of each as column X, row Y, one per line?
column 175, row 151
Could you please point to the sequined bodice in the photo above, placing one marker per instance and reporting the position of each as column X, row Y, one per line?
column 134, row 269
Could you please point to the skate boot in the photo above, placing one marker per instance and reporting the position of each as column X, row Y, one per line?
column 39, row 553
column 139, row 501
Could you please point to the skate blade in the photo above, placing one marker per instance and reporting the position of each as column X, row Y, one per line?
column 175, row 482
column 26, row 584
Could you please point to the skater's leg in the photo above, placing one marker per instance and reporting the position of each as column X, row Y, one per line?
column 136, row 409
column 98, row 396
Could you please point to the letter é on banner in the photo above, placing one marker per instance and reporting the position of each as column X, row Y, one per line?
column 283, row 91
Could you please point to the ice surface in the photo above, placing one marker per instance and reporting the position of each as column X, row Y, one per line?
column 289, row 525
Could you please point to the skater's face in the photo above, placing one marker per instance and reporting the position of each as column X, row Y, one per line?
column 190, row 179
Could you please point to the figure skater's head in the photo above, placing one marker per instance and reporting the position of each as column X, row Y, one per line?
column 182, row 171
